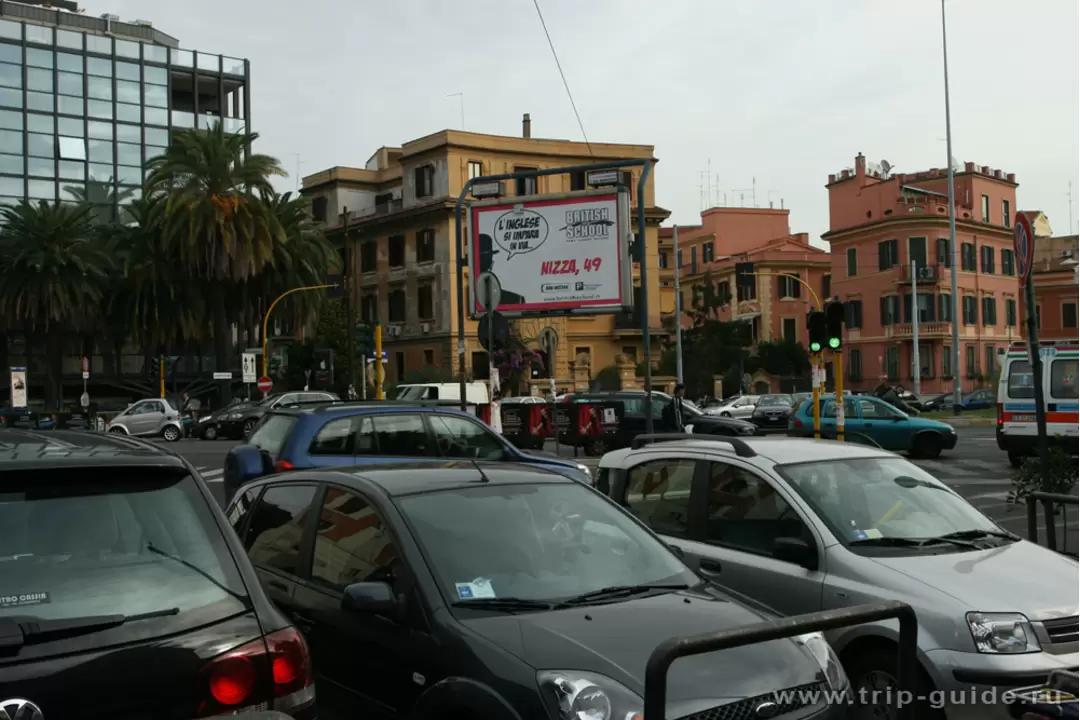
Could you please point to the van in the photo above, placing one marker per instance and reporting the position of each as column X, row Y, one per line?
column 476, row 393
column 1016, row 430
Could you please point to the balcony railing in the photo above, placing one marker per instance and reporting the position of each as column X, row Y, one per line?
column 384, row 208
column 924, row 274
column 926, row 330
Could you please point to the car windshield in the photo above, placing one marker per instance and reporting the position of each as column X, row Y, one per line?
column 535, row 542
column 882, row 497
column 414, row 393
column 270, row 434
column 775, row 401
column 130, row 541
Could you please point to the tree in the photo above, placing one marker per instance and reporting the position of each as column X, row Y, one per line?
column 106, row 200
column 782, row 358
column 55, row 271
column 217, row 220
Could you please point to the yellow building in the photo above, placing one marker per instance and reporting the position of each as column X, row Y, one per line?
column 400, row 246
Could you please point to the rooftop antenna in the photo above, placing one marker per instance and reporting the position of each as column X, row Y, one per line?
column 708, row 180
column 461, row 97
column 886, row 167
column 1070, row 208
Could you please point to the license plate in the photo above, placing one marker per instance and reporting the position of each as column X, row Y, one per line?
column 1023, row 418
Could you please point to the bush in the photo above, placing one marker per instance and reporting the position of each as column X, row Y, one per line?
column 1060, row 475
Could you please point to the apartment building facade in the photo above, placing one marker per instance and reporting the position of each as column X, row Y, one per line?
column 1054, row 274
column 399, row 248
column 889, row 240
column 776, row 305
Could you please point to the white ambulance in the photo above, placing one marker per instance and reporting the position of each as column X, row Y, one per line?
column 1016, row 429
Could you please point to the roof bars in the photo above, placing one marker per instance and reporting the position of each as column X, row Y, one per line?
column 740, row 447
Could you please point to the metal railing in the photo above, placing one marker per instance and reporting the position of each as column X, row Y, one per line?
column 1049, row 502
column 661, row 659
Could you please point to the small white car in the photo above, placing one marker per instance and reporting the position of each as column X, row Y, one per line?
column 740, row 407
column 154, row 417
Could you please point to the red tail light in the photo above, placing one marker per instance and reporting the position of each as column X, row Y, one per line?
column 283, row 465
column 798, row 423
column 273, row 673
column 1000, row 415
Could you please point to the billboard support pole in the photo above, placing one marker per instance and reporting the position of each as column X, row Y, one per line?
column 646, row 166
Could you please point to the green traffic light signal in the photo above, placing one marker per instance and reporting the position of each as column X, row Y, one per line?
column 835, row 321
column 834, row 343
column 815, row 347
column 815, row 323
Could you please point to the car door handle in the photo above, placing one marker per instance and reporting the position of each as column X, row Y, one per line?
column 278, row 585
column 710, row 567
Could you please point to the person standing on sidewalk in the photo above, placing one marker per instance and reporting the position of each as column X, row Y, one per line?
column 496, row 414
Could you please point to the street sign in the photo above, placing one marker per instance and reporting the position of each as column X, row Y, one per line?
column 1023, row 246
column 487, row 286
column 265, row 384
column 247, row 362
column 85, row 375
column 500, row 330
column 223, row 376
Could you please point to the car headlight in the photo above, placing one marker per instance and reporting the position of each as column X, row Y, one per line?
column 585, row 470
column 235, row 416
column 1002, row 633
column 576, row 695
column 748, row 430
column 822, row 651
column 204, row 419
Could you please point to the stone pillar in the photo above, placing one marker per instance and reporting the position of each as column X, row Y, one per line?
column 628, row 379
column 582, row 372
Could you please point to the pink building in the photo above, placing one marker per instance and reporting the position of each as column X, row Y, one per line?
column 881, row 223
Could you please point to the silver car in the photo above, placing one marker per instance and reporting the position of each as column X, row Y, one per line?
column 154, row 418
column 806, row 525
column 740, row 407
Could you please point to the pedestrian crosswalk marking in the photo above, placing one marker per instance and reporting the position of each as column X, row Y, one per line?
column 209, row 475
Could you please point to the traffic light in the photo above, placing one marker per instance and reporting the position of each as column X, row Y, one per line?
column 154, row 370
column 816, row 324
column 834, row 321
column 365, row 338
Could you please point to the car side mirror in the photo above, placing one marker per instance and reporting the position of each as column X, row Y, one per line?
column 368, row 597
column 795, row 550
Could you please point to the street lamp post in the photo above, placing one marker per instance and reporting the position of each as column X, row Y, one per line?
column 266, row 318
column 955, row 299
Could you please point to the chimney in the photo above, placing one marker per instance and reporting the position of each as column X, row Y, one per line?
column 1011, row 177
column 969, row 167
column 860, row 168
column 832, row 178
column 526, row 126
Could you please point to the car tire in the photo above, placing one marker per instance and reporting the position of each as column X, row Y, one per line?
column 595, row 448
column 171, row 433
column 210, row 433
column 880, row 660
column 1016, row 459
column 725, row 414
column 926, row 446
column 249, row 427
column 118, row 431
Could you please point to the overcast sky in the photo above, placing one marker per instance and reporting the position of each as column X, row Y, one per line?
column 777, row 93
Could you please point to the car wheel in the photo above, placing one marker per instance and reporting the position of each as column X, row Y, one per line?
column 117, row 431
column 872, row 672
column 171, row 433
column 210, row 433
column 927, row 446
column 1016, row 459
column 249, row 427
column 595, row 448
column 725, row 414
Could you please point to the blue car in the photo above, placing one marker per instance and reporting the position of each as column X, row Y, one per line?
column 876, row 419
column 361, row 433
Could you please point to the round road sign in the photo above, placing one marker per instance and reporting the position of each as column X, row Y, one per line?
column 1024, row 245
column 265, row 384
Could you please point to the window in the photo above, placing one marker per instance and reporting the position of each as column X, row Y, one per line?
column 1006, row 214
column 945, row 307
column 946, row 363
column 460, row 438
column 943, row 255
column 39, row 79
column 368, row 256
column 746, row 513
column 41, row 167
column 855, row 364
column 892, row 362
column 337, row 437
column 708, row 251
column 723, row 294
column 277, row 527
column 986, row 208
column 971, row 310
column 1010, row 312
column 395, row 251
column 890, row 309
column 425, row 301
column 658, row 494
column 424, row 180
column 789, row 286
column 967, row 257
column 971, row 361
column 476, row 169
column 986, row 254
column 369, row 308
column 888, row 254
column 1068, row 315
column 1021, row 381
column 429, row 357
column 990, row 353
column 270, row 435
column 69, row 39
column 393, row 435
column 989, row 311
column 239, row 511
column 880, row 410
column 1063, row 380
column 791, row 333
column 852, row 262
column 828, row 410
column 926, row 308
column 128, row 154
column 524, row 186
column 156, row 95
column 1008, row 262
column 396, row 305
column 425, row 246
column 352, row 544
column 39, row 58
column 319, row 207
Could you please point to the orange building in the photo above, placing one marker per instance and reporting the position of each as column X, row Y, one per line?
column 775, row 307
column 879, row 224
column 1054, row 274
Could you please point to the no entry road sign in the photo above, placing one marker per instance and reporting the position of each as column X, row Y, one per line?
column 265, row 384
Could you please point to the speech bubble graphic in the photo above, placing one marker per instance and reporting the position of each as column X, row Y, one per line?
column 520, row 231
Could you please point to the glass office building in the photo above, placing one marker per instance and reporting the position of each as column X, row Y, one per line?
column 85, row 101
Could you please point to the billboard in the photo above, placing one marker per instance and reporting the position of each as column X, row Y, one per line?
column 563, row 254
column 18, row 387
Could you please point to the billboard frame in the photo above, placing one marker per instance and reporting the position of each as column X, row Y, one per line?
column 623, row 234
column 646, row 342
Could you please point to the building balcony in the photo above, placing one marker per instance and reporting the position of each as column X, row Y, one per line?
column 384, row 208
column 924, row 275
column 927, row 331
column 629, row 323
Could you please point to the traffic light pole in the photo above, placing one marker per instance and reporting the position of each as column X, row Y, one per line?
column 838, row 367
column 346, row 276
column 816, row 364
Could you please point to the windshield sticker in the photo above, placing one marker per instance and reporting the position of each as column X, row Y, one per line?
column 478, row 588
column 37, row 598
column 871, row 534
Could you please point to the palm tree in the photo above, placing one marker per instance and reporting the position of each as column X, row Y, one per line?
column 54, row 273
column 217, row 222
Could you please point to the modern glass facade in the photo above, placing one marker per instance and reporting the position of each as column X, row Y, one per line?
column 81, row 112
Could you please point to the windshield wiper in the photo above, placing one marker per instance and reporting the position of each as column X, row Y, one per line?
column 176, row 558
column 910, row 542
column 618, row 591
column 14, row 634
column 976, row 534
column 505, row 604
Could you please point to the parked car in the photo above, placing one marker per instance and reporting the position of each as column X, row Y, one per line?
column 156, row 417
column 810, row 525
column 938, row 403
column 489, row 590
column 238, row 421
column 373, row 432
column 740, row 407
column 125, row 592
column 772, row 412
column 881, row 422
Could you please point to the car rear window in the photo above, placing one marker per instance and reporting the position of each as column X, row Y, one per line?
column 271, row 433
column 77, row 543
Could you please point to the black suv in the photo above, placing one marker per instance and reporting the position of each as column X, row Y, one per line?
column 126, row 594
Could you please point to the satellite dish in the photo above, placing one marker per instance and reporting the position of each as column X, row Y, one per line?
column 886, row 167
column 955, row 164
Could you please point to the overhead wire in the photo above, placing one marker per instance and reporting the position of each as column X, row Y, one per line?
column 573, row 105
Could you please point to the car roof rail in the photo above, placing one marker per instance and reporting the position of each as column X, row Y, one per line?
column 740, row 447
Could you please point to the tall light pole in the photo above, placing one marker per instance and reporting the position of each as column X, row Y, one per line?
column 678, row 310
column 952, row 224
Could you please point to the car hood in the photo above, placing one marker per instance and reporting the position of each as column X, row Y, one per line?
column 595, row 639
column 1019, row 577
column 717, row 421
column 925, row 424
